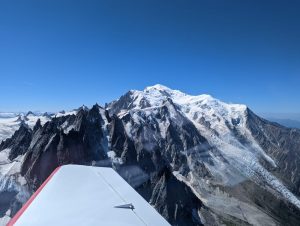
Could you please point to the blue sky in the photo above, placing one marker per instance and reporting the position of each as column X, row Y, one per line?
column 60, row 54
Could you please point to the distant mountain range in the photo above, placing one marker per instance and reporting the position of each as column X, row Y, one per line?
column 196, row 159
column 286, row 122
column 291, row 120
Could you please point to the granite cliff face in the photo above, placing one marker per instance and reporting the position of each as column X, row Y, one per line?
column 197, row 160
column 77, row 139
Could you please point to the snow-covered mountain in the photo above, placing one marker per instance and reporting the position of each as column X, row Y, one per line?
column 196, row 159
column 10, row 121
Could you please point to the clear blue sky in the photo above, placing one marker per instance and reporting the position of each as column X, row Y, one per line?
column 60, row 54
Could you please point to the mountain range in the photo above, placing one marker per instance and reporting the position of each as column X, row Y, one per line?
column 195, row 159
column 286, row 122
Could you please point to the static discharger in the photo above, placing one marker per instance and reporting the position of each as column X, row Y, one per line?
column 126, row 206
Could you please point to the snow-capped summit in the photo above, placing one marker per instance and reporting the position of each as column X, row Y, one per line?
column 194, row 107
column 156, row 94
column 158, row 87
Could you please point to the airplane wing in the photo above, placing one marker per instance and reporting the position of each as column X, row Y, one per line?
column 86, row 195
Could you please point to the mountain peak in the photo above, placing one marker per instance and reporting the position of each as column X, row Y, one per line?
column 30, row 113
column 174, row 93
column 163, row 90
column 156, row 95
column 195, row 107
column 157, row 87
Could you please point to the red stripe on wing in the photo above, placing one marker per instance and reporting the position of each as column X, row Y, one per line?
column 30, row 200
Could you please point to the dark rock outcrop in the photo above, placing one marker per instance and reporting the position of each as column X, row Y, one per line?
column 19, row 142
column 172, row 199
column 51, row 146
